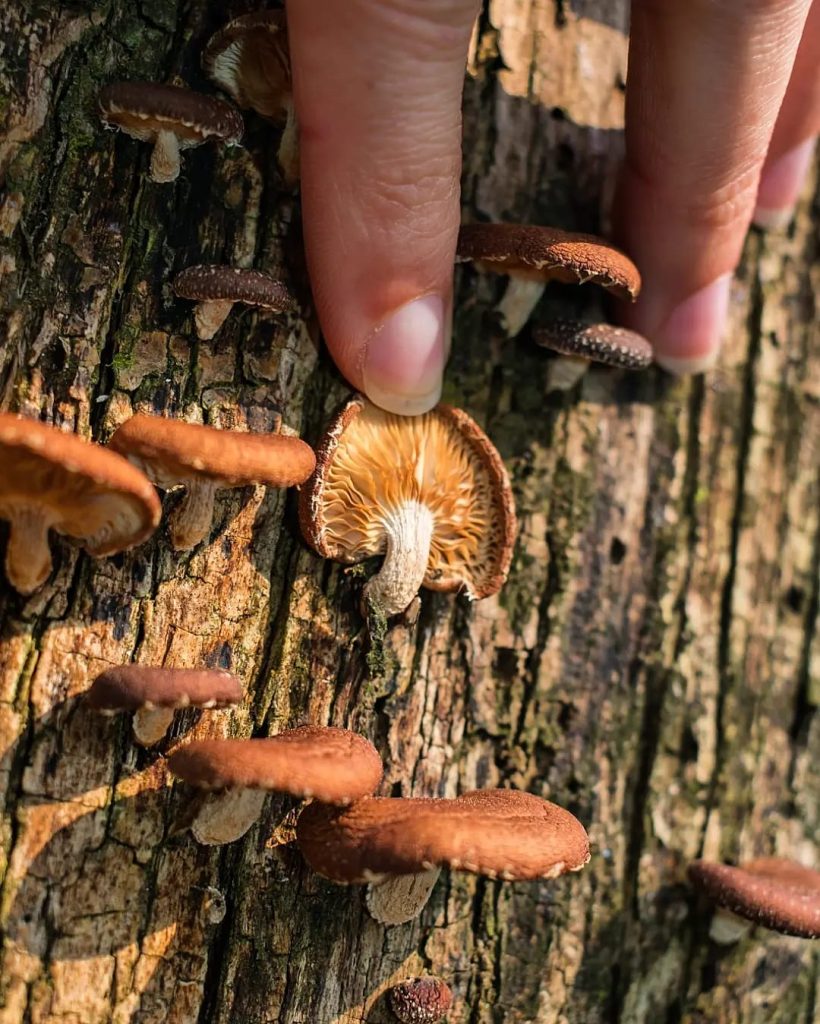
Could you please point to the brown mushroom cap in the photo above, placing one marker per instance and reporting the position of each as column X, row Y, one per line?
column 131, row 687
column 249, row 58
column 143, row 109
column 549, row 254
column 499, row 833
column 332, row 765
column 420, row 1000
column 173, row 452
column 777, row 893
column 218, row 283
column 372, row 464
column 599, row 343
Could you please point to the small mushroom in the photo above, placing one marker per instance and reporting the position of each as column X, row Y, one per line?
column 499, row 833
column 51, row 480
column 215, row 289
column 154, row 694
column 203, row 460
column 170, row 117
column 430, row 493
column 249, row 58
column 581, row 344
column 332, row 765
column 531, row 255
column 774, row 892
column 420, row 1000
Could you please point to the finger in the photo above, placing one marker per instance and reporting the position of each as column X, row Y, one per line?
column 705, row 83
column 791, row 150
column 377, row 88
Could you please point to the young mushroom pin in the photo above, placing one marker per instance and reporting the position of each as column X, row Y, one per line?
column 424, row 1000
column 51, row 480
column 169, row 116
column 580, row 344
column 332, row 765
column 430, row 493
column 531, row 255
column 204, row 460
column 216, row 289
column 154, row 694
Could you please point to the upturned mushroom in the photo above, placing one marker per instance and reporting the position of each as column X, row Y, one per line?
column 332, row 765
column 216, row 289
column 531, row 255
column 204, row 460
column 499, row 833
column 420, row 1000
column 580, row 344
column 430, row 493
column 154, row 694
column 249, row 58
column 169, row 116
column 774, row 892
column 51, row 480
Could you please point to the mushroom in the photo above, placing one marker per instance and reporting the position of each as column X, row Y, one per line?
column 420, row 1000
column 203, row 460
column 154, row 694
column 332, row 765
column 580, row 344
column 499, row 833
column 51, row 480
column 774, row 892
column 249, row 58
column 531, row 255
column 215, row 288
column 430, row 493
column 171, row 117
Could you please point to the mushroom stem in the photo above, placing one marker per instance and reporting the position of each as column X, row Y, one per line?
column 564, row 372
column 227, row 816
column 518, row 302
column 28, row 556
column 409, row 531
column 727, row 928
column 210, row 315
column 165, row 158
column 400, row 898
column 288, row 152
column 151, row 724
column 191, row 521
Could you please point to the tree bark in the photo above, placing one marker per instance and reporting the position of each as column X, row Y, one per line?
column 653, row 663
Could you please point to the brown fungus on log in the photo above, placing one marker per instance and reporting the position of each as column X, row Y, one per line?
column 424, row 1000
column 216, row 288
column 580, row 344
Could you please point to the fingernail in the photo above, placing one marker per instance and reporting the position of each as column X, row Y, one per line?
column 780, row 187
column 404, row 358
column 688, row 341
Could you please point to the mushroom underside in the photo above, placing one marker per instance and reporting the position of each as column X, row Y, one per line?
column 226, row 816
column 28, row 556
column 520, row 298
column 400, row 898
column 191, row 521
column 408, row 535
column 210, row 315
column 564, row 372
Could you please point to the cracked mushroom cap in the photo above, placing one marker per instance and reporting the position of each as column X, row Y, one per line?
column 381, row 478
column 131, row 687
column 599, row 343
column 774, row 892
column 500, row 833
column 420, row 1000
column 172, row 452
column 249, row 58
column 144, row 109
column 218, row 283
column 549, row 254
column 53, row 480
column 332, row 765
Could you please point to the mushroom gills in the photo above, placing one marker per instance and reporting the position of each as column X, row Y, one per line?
column 210, row 315
column 409, row 533
column 150, row 724
column 165, row 161
column 519, row 300
column 400, row 898
column 28, row 556
column 225, row 817
column 191, row 521
column 564, row 372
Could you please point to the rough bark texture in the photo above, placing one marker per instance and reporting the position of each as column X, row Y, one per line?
column 653, row 663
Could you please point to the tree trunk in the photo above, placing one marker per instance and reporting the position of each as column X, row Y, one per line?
column 652, row 664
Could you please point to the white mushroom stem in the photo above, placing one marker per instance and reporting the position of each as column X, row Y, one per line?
column 28, row 557
column 409, row 531
column 151, row 724
column 564, row 372
column 226, row 817
column 210, row 315
column 400, row 898
column 191, row 520
column 288, row 153
column 165, row 158
column 727, row 928
column 518, row 302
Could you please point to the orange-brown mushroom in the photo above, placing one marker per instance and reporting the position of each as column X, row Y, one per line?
column 420, row 1000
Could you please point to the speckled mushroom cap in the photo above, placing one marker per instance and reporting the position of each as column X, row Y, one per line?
column 332, row 765
column 172, row 451
column 371, row 462
column 777, row 893
column 600, row 343
column 131, row 687
column 215, row 282
column 420, row 1000
column 249, row 58
column 86, row 491
column 499, row 833
column 549, row 254
column 142, row 109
